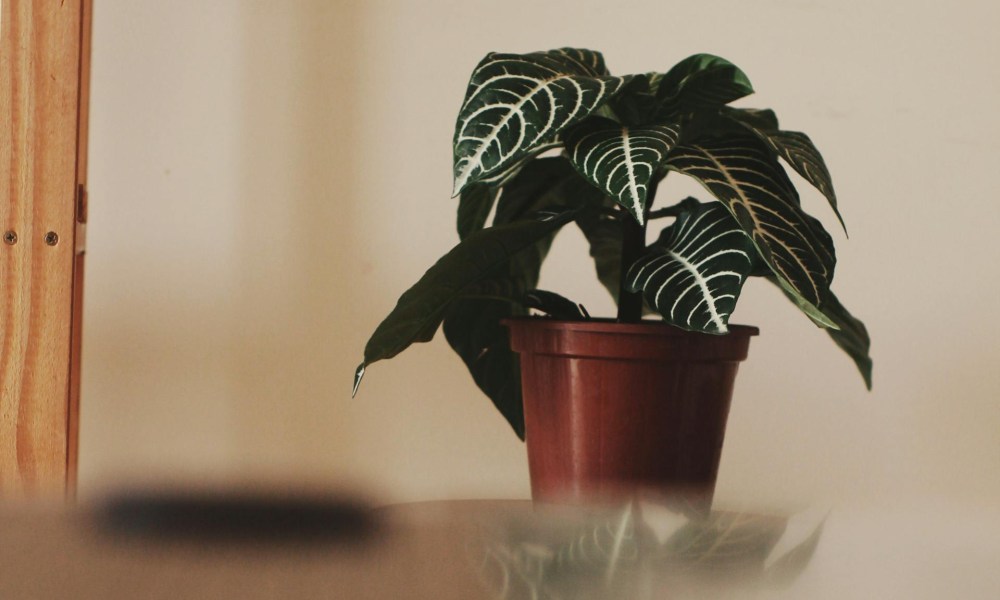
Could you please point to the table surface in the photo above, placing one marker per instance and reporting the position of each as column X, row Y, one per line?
column 507, row 549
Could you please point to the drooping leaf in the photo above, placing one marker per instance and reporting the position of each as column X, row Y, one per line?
column 472, row 325
column 794, row 147
column 473, row 330
column 620, row 160
column 479, row 257
column 694, row 273
column 849, row 333
column 701, row 80
column 516, row 103
column 743, row 174
column 474, row 208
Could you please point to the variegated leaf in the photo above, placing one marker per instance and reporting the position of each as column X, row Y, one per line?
column 695, row 272
column 506, row 175
column 743, row 174
column 794, row 147
column 621, row 160
column 516, row 103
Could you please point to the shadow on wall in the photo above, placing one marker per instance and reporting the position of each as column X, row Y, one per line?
column 295, row 240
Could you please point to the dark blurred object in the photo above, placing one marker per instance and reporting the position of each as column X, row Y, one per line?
column 238, row 518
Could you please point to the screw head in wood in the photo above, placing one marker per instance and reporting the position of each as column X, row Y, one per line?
column 10, row 238
column 52, row 238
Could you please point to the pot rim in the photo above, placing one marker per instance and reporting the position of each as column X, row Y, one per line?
column 606, row 325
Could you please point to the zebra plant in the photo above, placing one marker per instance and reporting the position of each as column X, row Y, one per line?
column 551, row 138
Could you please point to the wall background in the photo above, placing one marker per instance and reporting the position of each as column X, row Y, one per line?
column 266, row 178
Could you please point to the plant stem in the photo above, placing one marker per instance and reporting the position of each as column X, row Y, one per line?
column 633, row 245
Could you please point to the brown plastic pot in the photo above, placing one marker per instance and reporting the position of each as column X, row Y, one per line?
column 613, row 409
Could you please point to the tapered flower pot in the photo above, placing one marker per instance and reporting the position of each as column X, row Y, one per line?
column 613, row 409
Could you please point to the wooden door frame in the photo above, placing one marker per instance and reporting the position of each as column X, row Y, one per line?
column 44, row 101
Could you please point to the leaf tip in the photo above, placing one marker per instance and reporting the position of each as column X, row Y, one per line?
column 358, row 374
column 462, row 176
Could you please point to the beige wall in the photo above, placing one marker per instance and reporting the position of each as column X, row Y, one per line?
column 267, row 177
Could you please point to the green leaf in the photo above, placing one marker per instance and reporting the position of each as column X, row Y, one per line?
column 635, row 103
column 542, row 184
column 604, row 233
column 516, row 103
column 554, row 305
column 472, row 325
column 474, row 208
column 552, row 181
column 747, row 179
column 473, row 330
column 501, row 178
column 476, row 259
column 702, row 80
column 695, row 271
column 848, row 332
column 794, row 147
column 759, row 118
column 620, row 160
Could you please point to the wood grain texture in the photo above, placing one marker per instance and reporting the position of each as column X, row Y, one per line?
column 40, row 132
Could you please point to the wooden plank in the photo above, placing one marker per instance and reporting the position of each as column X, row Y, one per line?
column 80, row 240
column 40, row 125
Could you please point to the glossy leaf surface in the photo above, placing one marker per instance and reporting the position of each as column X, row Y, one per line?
column 701, row 80
column 742, row 174
column 694, row 273
column 620, row 160
column 794, row 147
column 518, row 102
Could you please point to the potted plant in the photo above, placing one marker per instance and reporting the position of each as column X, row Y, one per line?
column 551, row 138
